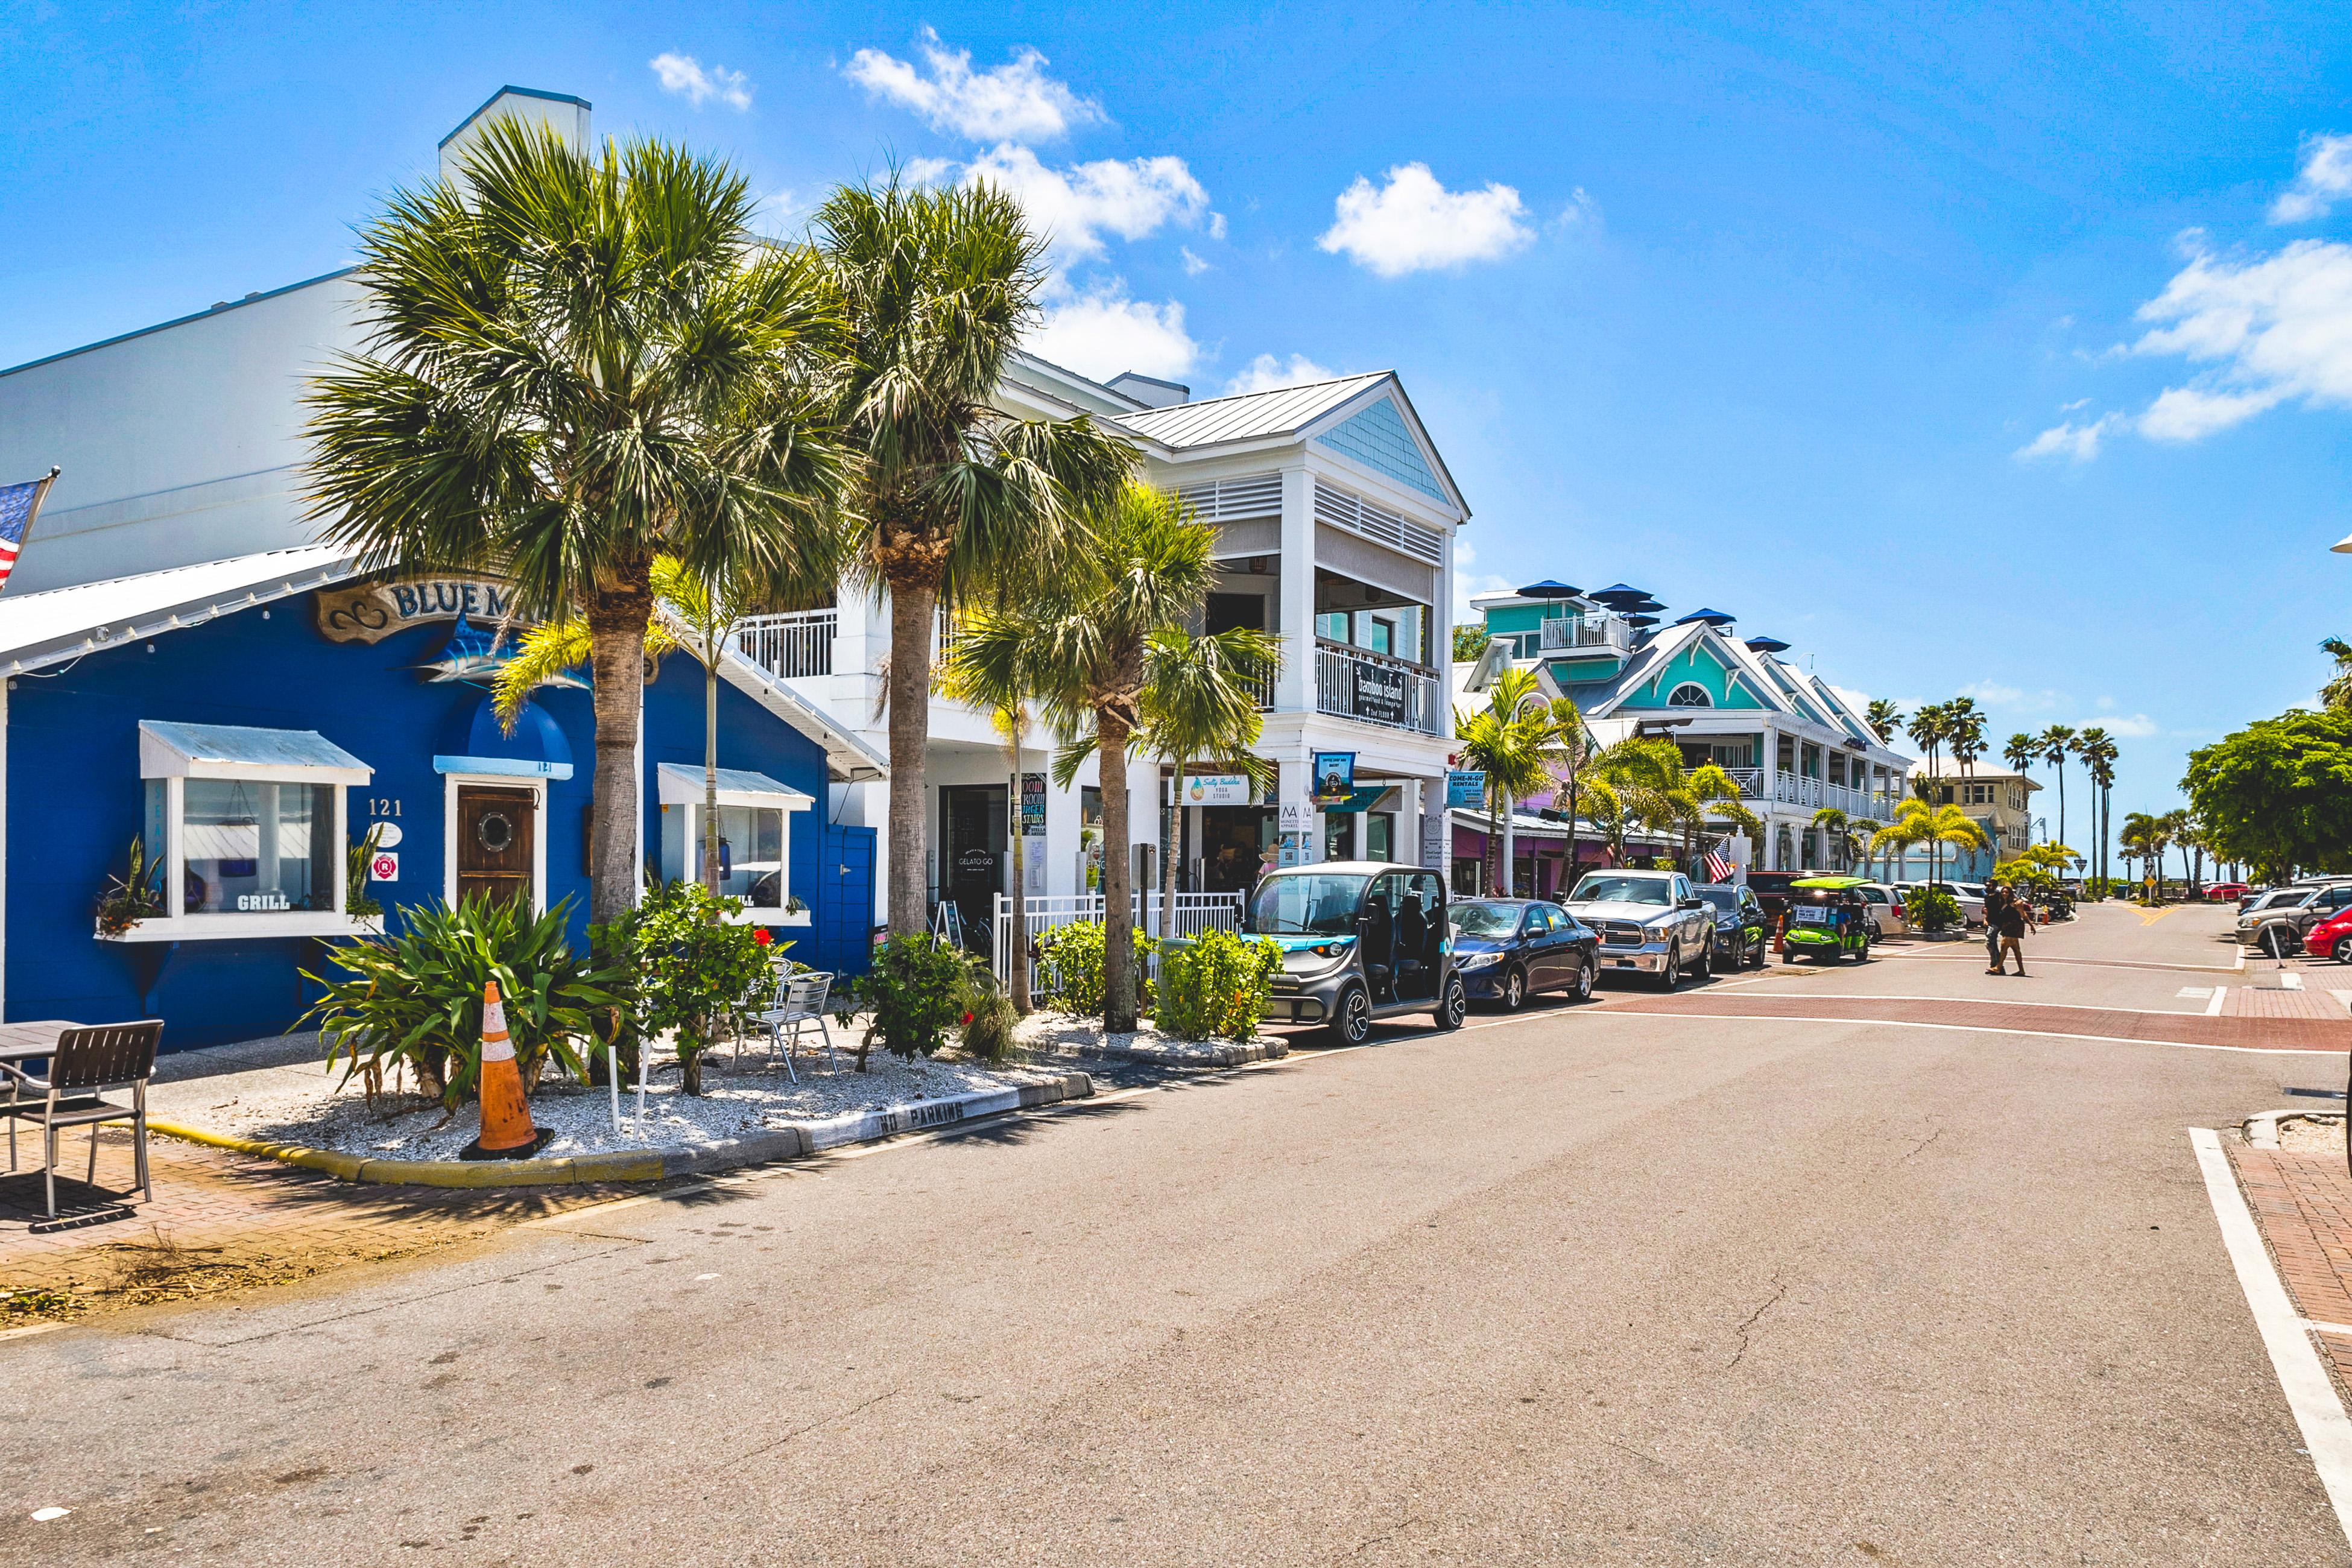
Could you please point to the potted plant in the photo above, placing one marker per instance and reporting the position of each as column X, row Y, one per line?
column 136, row 895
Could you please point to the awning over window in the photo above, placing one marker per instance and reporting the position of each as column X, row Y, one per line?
column 682, row 785
column 234, row 752
column 474, row 741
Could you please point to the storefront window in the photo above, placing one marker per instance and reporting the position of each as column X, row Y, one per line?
column 256, row 848
column 750, row 851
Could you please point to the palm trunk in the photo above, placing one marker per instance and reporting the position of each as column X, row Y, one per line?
column 1118, row 875
column 1510, row 850
column 1175, row 844
column 710, row 771
column 914, row 604
column 1573, row 861
column 2061, row 802
column 1495, row 841
column 617, row 662
column 1016, row 963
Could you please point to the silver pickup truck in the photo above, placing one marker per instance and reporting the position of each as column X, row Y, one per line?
column 1650, row 922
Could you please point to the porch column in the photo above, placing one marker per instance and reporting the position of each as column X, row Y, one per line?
column 1294, row 688
column 1436, row 829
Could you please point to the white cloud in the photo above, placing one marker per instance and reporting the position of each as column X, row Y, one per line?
column 1995, row 694
column 2274, row 328
column 1413, row 224
column 685, row 75
column 1100, row 331
column 2134, row 727
column 1266, row 373
column 1017, row 101
column 2324, row 177
column 927, row 170
column 1193, row 265
column 1074, row 207
column 2068, row 439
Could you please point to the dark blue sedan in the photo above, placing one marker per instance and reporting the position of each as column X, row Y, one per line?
column 1506, row 950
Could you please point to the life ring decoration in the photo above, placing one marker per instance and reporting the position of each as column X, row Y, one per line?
column 495, row 831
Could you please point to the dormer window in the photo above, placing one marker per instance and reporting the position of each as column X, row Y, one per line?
column 1689, row 694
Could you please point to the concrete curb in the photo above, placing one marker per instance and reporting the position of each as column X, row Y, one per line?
column 2261, row 1132
column 786, row 1140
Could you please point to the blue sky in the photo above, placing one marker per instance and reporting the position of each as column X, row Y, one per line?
column 2004, row 352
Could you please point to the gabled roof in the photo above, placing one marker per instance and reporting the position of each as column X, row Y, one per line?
column 41, row 629
column 1248, row 416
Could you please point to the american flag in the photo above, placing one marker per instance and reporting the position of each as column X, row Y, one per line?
column 19, row 504
column 1718, row 870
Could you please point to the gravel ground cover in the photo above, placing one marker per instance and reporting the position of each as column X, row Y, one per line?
column 1060, row 1034
column 308, row 1109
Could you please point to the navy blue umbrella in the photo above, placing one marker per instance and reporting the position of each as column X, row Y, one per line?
column 1712, row 617
column 1548, row 589
column 1766, row 645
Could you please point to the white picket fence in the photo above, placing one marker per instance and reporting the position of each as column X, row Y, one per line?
column 1041, row 912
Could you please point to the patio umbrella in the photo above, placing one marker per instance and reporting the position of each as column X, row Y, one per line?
column 1712, row 617
column 1619, row 597
column 1766, row 645
column 1548, row 589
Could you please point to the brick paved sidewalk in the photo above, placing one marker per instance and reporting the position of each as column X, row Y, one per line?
column 2310, row 1030
column 221, row 1223
column 2303, row 1202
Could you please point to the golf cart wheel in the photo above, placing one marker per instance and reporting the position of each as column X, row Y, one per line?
column 1515, row 990
column 1455, row 1005
column 1351, row 1020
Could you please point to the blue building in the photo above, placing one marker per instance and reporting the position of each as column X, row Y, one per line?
column 251, row 721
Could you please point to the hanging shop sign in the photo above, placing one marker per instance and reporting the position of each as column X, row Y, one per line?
column 370, row 612
column 1380, row 693
column 1217, row 789
column 1296, row 816
column 1334, row 776
column 1464, row 788
column 1033, row 805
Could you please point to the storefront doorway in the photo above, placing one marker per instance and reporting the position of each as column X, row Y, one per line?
column 1234, row 841
column 976, row 845
column 497, row 833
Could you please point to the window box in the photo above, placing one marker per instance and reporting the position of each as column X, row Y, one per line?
column 755, row 838
column 251, row 825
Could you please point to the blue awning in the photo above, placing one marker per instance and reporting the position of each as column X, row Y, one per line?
column 474, row 741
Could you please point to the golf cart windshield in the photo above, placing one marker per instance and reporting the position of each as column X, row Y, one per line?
column 1601, row 889
column 1311, row 903
column 1484, row 920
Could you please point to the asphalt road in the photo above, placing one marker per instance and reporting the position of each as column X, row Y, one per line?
column 1581, row 1287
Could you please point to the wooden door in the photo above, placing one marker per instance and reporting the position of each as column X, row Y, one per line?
column 496, row 832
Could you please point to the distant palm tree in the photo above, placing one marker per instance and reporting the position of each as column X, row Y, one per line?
column 1842, row 829
column 2145, row 837
column 573, row 365
column 2337, row 692
column 1965, row 731
column 1200, row 702
column 2022, row 751
column 1918, row 822
column 935, row 285
column 1929, row 728
column 1885, row 718
column 1575, row 753
column 2056, row 743
column 2098, row 751
column 1513, row 741
column 1701, row 792
column 1631, row 783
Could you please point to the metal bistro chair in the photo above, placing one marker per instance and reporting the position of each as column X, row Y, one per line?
column 88, row 1065
column 800, row 1001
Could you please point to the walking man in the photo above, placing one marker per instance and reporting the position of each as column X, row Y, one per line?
column 1996, row 899
column 2015, row 916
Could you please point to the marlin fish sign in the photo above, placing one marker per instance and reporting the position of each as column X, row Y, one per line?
column 20, row 504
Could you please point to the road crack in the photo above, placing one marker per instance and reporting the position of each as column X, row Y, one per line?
column 1923, row 1142
column 1779, row 1289
column 858, row 1409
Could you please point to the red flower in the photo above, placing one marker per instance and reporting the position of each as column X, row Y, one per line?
column 760, row 934
column 967, row 1018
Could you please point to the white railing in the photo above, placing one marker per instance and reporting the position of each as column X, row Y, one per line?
column 1564, row 632
column 790, row 646
column 1374, row 689
column 1042, row 912
column 1797, row 789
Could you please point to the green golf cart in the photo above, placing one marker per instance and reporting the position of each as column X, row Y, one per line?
column 1828, row 918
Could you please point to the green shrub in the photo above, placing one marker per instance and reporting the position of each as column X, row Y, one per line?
column 1930, row 909
column 692, row 967
column 1075, row 952
column 918, row 989
column 1214, row 985
column 417, row 997
column 988, row 1026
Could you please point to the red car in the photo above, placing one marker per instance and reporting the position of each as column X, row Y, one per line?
column 2221, row 890
column 2326, row 939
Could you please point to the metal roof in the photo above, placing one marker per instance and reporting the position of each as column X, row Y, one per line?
column 39, row 630
column 1251, row 415
column 199, row 749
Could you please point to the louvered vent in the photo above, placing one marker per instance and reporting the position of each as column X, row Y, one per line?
column 1378, row 524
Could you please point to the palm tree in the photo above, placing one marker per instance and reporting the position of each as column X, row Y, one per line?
column 1965, row 730
column 935, row 285
column 1632, row 782
column 1513, row 740
column 1200, row 700
column 1840, row 828
column 2022, row 751
column 1885, row 718
column 1929, row 728
column 1704, row 792
column 1918, row 822
column 1149, row 570
column 2098, row 751
column 2057, row 741
column 2145, row 837
column 1574, row 753
column 573, row 365
column 2337, row 692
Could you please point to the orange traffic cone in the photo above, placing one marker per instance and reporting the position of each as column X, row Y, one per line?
column 506, row 1132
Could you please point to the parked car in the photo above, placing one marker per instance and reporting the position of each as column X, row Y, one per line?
column 1828, row 918
column 2280, row 921
column 2326, row 939
column 1507, row 950
column 1650, row 922
column 1885, row 908
column 1361, row 939
column 2221, row 892
column 1771, row 890
column 1742, row 932
column 1972, row 910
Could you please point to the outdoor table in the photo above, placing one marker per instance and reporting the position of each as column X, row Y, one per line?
column 26, row 1042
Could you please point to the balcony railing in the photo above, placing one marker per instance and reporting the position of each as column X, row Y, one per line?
column 1373, row 689
column 1785, row 788
column 790, row 647
column 1564, row 634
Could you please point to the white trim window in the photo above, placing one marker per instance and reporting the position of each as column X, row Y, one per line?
column 1690, row 694
column 247, row 826
column 755, row 838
